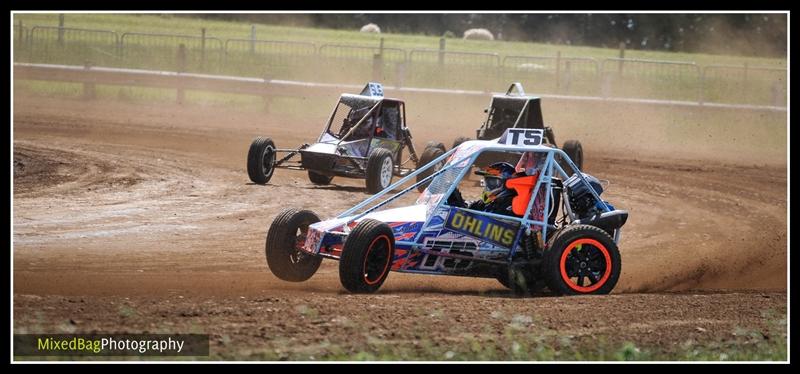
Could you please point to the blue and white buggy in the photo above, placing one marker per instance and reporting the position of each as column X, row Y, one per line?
column 572, row 249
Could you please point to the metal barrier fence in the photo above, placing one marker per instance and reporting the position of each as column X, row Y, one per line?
column 71, row 35
column 256, row 57
column 396, row 55
column 651, row 78
column 480, row 59
column 611, row 77
column 358, row 63
column 21, row 34
column 269, row 47
column 199, row 53
column 466, row 70
column 745, row 84
column 555, row 73
column 72, row 45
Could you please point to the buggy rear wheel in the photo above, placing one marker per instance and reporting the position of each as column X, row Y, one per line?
column 579, row 254
column 439, row 145
column 574, row 150
column 380, row 169
column 285, row 239
column 261, row 160
column 320, row 179
column 460, row 140
column 522, row 280
column 430, row 154
column 366, row 257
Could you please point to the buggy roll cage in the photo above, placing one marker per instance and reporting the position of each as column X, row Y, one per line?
column 372, row 96
column 375, row 104
column 515, row 92
column 401, row 132
column 545, row 178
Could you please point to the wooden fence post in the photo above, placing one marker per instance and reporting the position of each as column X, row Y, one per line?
column 400, row 72
column 181, row 67
column 745, row 90
column 619, row 79
column 252, row 39
column 702, row 87
column 558, row 71
column 202, row 48
column 61, row 29
column 441, row 51
column 89, row 92
column 377, row 64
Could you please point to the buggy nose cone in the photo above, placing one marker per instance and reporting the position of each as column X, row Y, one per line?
column 313, row 238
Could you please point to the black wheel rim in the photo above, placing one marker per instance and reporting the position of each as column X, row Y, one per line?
column 297, row 255
column 587, row 265
column 268, row 160
column 376, row 261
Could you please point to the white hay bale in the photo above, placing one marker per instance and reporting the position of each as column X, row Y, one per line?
column 371, row 27
column 478, row 34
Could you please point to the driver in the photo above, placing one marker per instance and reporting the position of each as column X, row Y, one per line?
column 496, row 197
column 352, row 119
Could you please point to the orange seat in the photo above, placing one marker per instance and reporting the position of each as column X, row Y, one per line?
column 523, row 186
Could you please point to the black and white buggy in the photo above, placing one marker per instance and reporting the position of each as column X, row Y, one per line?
column 364, row 138
column 515, row 109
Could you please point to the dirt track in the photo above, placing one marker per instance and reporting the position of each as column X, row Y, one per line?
column 142, row 218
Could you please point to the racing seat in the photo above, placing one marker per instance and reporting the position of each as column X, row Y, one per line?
column 524, row 187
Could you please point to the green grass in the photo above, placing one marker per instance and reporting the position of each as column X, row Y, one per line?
column 154, row 23
column 516, row 344
column 144, row 95
column 298, row 62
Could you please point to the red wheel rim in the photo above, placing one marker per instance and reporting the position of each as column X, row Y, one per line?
column 377, row 256
column 567, row 275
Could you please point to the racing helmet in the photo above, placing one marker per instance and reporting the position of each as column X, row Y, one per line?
column 494, row 178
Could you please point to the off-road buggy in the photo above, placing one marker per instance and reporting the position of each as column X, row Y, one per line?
column 515, row 109
column 363, row 138
column 556, row 231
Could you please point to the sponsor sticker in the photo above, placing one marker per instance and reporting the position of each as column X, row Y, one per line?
column 482, row 227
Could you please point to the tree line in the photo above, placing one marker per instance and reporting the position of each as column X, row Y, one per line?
column 739, row 34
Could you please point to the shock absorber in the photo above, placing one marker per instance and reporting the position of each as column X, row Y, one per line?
column 531, row 243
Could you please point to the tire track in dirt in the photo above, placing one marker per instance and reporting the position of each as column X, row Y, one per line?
column 172, row 184
column 701, row 225
column 141, row 218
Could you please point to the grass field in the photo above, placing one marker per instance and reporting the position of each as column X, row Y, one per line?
column 400, row 66
column 154, row 23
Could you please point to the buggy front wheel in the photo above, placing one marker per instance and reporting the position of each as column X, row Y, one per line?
column 285, row 240
column 366, row 257
column 380, row 169
column 261, row 160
